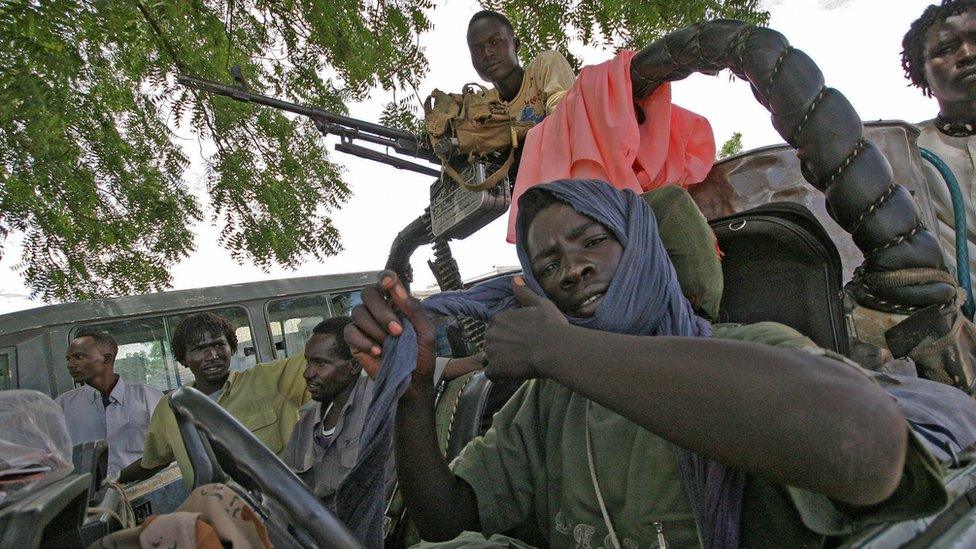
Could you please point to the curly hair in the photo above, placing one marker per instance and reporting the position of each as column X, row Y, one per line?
column 189, row 330
column 913, row 44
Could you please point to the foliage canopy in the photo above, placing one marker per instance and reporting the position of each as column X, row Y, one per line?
column 732, row 146
column 93, row 124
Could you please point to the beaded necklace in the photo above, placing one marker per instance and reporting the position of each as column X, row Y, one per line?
column 955, row 128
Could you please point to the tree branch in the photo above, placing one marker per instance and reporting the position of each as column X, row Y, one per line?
column 158, row 32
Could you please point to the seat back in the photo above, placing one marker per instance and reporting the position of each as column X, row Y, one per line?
column 91, row 457
column 780, row 265
column 466, row 407
column 50, row 516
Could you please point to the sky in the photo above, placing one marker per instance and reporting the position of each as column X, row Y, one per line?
column 856, row 43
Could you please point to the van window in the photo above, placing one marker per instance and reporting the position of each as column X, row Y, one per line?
column 145, row 355
column 343, row 303
column 8, row 357
column 291, row 321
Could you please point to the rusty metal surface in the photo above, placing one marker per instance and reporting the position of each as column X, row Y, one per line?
column 772, row 174
column 870, row 325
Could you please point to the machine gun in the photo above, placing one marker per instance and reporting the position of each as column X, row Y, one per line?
column 346, row 128
column 454, row 212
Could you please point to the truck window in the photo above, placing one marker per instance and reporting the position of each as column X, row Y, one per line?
column 145, row 355
column 343, row 303
column 291, row 321
column 8, row 357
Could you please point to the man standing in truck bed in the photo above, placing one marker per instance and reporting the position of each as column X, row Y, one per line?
column 531, row 93
column 939, row 57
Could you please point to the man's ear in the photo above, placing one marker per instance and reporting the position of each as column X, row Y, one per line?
column 516, row 42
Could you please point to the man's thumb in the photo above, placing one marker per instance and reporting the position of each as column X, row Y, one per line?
column 525, row 296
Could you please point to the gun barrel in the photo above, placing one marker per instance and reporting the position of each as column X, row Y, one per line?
column 377, row 156
column 403, row 141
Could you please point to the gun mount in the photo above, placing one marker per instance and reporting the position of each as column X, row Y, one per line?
column 455, row 212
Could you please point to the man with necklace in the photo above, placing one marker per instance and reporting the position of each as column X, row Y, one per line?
column 939, row 57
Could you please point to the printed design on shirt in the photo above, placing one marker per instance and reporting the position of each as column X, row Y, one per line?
column 582, row 535
column 535, row 108
column 528, row 114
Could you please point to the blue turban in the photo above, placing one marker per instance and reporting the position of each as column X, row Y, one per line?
column 644, row 298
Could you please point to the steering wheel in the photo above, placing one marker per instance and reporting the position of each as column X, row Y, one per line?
column 219, row 447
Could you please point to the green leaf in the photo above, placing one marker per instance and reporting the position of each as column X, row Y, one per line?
column 91, row 172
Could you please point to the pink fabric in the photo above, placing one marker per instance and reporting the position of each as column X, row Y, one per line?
column 593, row 134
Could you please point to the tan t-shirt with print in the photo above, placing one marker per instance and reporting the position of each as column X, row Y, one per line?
column 546, row 80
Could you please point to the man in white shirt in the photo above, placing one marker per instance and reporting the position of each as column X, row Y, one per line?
column 105, row 407
column 939, row 57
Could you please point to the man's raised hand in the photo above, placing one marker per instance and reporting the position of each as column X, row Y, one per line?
column 376, row 318
column 516, row 339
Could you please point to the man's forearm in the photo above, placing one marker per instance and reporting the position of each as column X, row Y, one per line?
column 441, row 504
column 791, row 416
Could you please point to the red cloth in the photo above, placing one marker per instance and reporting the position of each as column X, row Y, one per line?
column 593, row 133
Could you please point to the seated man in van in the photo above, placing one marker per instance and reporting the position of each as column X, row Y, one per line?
column 325, row 442
column 642, row 424
column 105, row 407
column 324, row 445
column 265, row 398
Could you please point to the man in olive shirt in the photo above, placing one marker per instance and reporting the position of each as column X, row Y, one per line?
column 636, row 428
column 265, row 398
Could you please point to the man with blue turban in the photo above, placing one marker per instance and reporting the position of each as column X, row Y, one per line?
column 642, row 424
